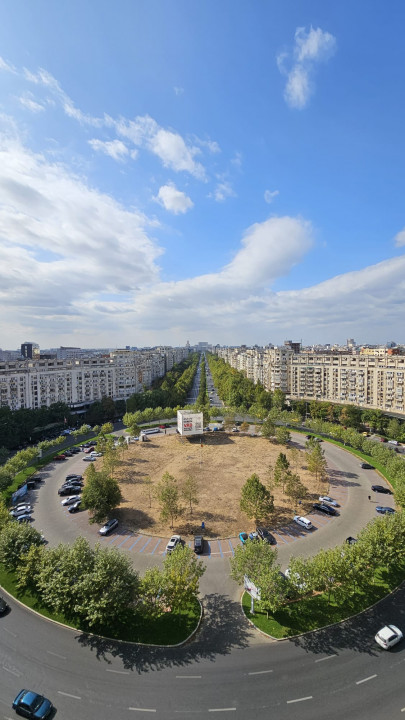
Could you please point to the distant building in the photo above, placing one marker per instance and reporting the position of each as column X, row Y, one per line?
column 29, row 350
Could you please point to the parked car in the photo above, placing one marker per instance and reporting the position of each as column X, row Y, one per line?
column 89, row 458
column 69, row 490
column 388, row 636
column 329, row 500
column 58, row 458
column 88, row 449
column 70, row 500
column 235, row 429
column 324, row 508
column 3, row 606
column 367, row 466
column 108, row 527
column 74, row 450
column 75, row 507
column 265, row 535
column 381, row 489
column 243, row 537
column 303, row 522
column 20, row 510
column 74, row 477
column 67, row 453
column 351, row 540
column 172, row 544
column 32, row 705
column 198, row 544
column 96, row 454
column 24, row 518
column 253, row 536
column 385, row 510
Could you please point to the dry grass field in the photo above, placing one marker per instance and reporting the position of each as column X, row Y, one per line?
column 221, row 465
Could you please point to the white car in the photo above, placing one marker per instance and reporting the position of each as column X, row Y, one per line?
column 89, row 458
column 20, row 510
column 96, row 454
column 110, row 525
column 25, row 517
column 329, row 500
column 303, row 522
column 388, row 636
column 70, row 500
column 173, row 542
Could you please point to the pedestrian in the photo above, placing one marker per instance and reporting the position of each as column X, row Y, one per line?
column 369, row 497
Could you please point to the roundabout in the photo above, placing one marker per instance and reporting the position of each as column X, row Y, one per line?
column 228, row 668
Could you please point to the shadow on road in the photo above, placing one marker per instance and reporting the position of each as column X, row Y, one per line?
column 223, row 629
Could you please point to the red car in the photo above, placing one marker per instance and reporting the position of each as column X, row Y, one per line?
column 60, row 457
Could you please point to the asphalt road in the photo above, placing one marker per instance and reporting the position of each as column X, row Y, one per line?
column 228, row 668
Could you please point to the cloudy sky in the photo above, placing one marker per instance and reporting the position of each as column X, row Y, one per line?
column 225, row 171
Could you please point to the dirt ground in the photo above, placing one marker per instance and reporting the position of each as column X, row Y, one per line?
column 221, row 464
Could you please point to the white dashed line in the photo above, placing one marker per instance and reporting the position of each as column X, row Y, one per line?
column 188, row 677
column 9, row 632
column 221, row 709
column 62, row 657
column 328, row 657
column 366, row 679
column 299, row 699
column 260, row 672
column 118, row 672
column 142, row 709
column 13, row 672
column 75, row 697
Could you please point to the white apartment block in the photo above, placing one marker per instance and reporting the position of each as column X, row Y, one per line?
column 369, row 381
column 80, row 381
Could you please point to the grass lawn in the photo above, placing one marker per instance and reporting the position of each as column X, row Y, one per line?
column 315, row 612
column 169, row 629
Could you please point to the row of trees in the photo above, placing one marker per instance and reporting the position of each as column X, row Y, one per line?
column 340, row 570
column 97, row 588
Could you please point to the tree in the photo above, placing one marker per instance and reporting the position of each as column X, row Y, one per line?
column 60, row 572
column 273, row 588
column 107, row 428
column 101, row 494
column 278, row 399
column 295, row 456
column 181, row 575
column 316, row 461
column 252, row 559
column 29, row 567
column 16, row 539
column 256, row 500
column 268, row 429
column 148, row 482
column 245, row 426
column 283, row 435
column 167, row 495
column 190, row 492
column 280, row 470
column 294, row 487
column 229, row 421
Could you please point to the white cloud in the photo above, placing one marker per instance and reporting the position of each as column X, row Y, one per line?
column 270, row 195
column 399, row 238
column 178, row 90
column 116, row 149
column 311, row 47
column 223, row 191
column 30, row 104
column 6, row 67
column 174, row 200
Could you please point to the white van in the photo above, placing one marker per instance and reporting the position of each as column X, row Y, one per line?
column 303, row 521
column 393, row 442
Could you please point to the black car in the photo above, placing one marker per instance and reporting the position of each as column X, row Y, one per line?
column 75, row 507
column 69, row 490
column 198, row 544
column 381, row 489
column 74, row 450
column 385, row 510
column 367, row 466
column 3, row 606
column 265, row 534
column 68, row 453
column 72, row 478
column 323, row 507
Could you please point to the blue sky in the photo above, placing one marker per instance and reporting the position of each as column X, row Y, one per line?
column 224, row 171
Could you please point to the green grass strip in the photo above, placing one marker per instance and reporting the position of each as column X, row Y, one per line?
column 312, row 613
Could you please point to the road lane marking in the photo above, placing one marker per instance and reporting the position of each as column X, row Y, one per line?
column 230, row 709
column 9, row 632
column 146, row 545
column 188, row 677
column 142, row 709
column 309, row 697
column 62, row 657
column 134, row 543
column 13, row 672
column 75, row 697
column 118, row 672
column 371, row 677
column 260, row 672
column 328, row 657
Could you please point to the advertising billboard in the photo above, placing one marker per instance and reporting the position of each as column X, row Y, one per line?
column 189, row 423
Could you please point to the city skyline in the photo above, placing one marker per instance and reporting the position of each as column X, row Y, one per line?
column 171, row 172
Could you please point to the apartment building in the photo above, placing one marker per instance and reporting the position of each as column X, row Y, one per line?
column 79, row 381
column 370, row 381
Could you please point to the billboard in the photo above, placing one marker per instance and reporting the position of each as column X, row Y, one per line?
column 189, row 423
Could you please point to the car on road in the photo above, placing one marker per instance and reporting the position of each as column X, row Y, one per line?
column 3, row 606
column 89, row 458
column 20, row 510
column 69, row 490
column 381, row 489
column 351, row 540
column 243, row 537
column 25, row 518
column 96, row 454
column 174, row 541
column 303, row 522
column 59, row 458
column 70, row 500
column 75, row 507
column 329, row 500
column 265, row 535
column 324, row 508
column 108, row 527
column 367, row 466
column 31, row 705
column 388, row 636
column 89, row 449
column 385, row 510
column 74, row 477
column 198, row 544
